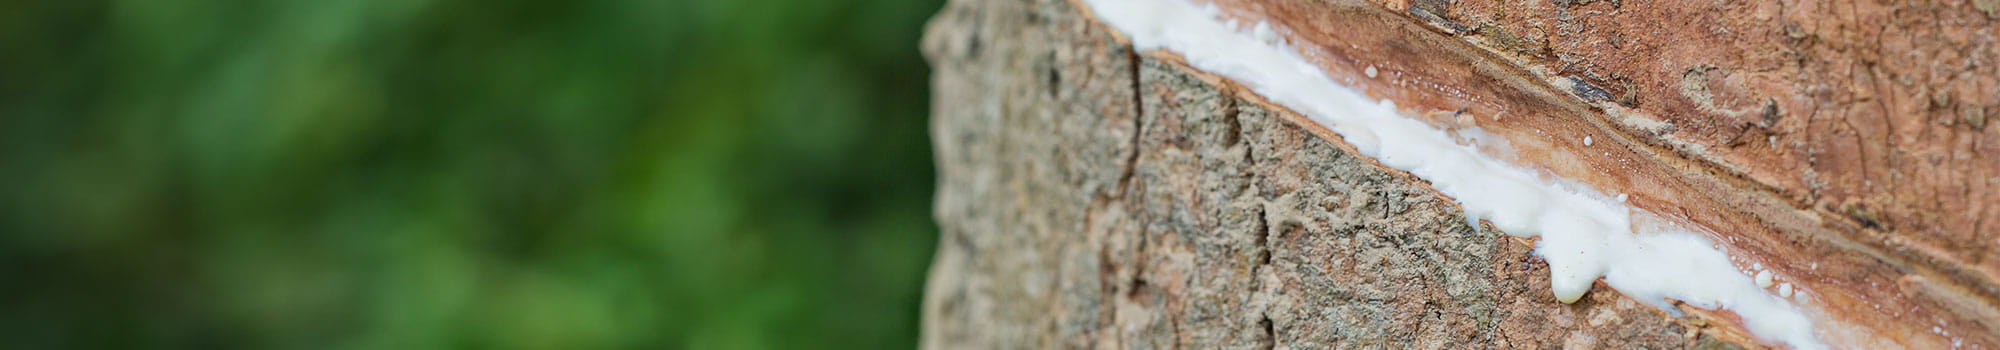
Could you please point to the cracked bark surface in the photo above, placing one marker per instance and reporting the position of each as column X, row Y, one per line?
column 1091, row 196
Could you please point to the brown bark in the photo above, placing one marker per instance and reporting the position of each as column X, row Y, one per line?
column 1094, row 196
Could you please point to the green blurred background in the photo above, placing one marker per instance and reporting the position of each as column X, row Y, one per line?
column 463, row 174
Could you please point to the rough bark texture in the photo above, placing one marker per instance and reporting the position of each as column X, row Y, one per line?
column 1094, row 197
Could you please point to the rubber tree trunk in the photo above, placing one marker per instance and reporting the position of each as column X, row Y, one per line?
column 1093, row 196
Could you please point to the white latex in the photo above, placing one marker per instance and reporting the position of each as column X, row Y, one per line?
column 1584, row 234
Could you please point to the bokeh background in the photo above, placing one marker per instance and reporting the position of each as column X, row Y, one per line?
column 407, row 174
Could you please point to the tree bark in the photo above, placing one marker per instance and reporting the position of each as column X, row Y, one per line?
column 1094, row 196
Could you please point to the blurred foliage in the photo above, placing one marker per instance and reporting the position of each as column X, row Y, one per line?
column 455, row 173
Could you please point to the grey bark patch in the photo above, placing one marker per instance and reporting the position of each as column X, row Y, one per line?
column 1587, row 91
column 1435, row 13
